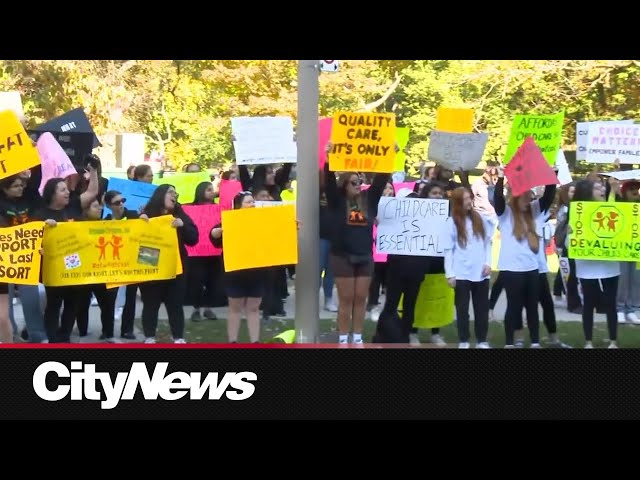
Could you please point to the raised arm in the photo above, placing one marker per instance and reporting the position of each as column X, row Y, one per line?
column 464, row 179
column 547, row 197
column 375, row 191
column 498, row 194
column 93, row 189
column 331, row 187
column 245, row 178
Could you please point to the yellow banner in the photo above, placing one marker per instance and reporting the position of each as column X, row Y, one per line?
column 259, row 237
column 454, row 120
column 604, row 231
column 363, row 142
column 178, row 272
column 16, row 151
column 435, row 304
column 20, row 253
column 86, row 253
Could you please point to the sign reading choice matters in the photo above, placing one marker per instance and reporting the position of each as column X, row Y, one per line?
column 582, row 131
column 363, row 142
column 16, row 151
column 546, row 131
column 412, row 226
column 607, row 143
column 20, row 253
column 85, row 253
column 604, row 231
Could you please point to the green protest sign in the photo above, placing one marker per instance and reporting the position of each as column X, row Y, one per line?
column 546, row 131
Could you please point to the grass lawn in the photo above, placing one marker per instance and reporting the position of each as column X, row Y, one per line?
column 214, row 331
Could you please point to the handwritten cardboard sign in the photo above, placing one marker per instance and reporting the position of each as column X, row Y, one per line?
column 546, row 131
column 363, row 142
column 528, row 169
column 608, row 142
column 55, row 162
column 457, row 151
column 582, row 132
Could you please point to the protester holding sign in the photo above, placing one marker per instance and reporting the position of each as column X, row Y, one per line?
column 351, row 256
column 170, row 292
column 468, row 266
column 61, row 206
column 244, row 288
column 599, row 278
column 629, row 283
column 378, row 280
column 518, row 259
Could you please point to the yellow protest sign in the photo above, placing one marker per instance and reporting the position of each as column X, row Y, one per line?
column 184, row 183
column 604, row 231
column 20, row 253
column 16, row 151
column 363, row 142
column 454, row 120
column 259, row 237
column 402, row 138
column 179, row 271
column 435, row 304
column 86, row 253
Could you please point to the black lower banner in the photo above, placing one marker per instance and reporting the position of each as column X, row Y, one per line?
column 317, row 383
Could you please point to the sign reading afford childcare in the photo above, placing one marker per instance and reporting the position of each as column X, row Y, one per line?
column 457, row 151
column 16, row 151
column 546, row 131
column 259, row 237
column 363, row 142
column 582, row 132
column 529, row 169
column 263, row 140
column 608, row 142
column 20, row 253
column 85, row 253
column 412, row 226
column 604, row 231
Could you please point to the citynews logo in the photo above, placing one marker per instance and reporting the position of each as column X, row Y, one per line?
column 83, row 380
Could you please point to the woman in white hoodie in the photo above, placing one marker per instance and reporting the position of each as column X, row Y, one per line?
column 467, row 264
column 599, row 279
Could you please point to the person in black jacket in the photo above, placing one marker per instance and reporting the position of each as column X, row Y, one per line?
column 352, row 218
column 244, row 288
column 164, row 201
column 265, row 176
column 116, row 203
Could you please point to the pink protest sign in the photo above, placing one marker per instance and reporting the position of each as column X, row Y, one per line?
column 55, row 162
column 228, row 190
column 205, row 217
column 324, row 136
column 377, row 257
column 396, row 186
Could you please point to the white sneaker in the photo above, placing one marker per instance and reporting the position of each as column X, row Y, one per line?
column 588, row 345
column 613, row 345
column 118, row 313
column 330, row 305
column 464, row 345
column 343, row 341
column 622, row 318
column 150, row 340
column 559, row 302
column 633, row 318
column 438, row 340
column 15, row 300
column 483, row 345
column 180, row 341
column 535, row 345
column 414, row 339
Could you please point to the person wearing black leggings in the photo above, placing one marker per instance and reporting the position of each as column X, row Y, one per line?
column 599, row 279
column 518, row 259
column 467, row 264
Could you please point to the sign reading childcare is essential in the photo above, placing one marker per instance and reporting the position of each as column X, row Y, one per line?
column 412, row 226
column 86, row 253
column 546, row 130
column 607, row 143
column 16, row 151
column 20, row 253
column 363, row 142
column 457, row 151
column 604, row 231
column 582, row 132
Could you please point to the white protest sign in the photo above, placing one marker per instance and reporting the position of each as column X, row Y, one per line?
column 622, row 176
column 564, row 175
column 263, row 140
column 582, row 130
column 412, row 226
column 457, row 151
column 12, row 101
column 611, row 141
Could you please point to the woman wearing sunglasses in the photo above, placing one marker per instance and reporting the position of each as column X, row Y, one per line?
column 115, row 202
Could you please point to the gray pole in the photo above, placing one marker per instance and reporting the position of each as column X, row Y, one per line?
column 308, row 205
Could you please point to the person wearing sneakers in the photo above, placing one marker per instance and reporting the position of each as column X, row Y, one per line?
column 467, row 265
column 629, row 283
column 164, row 201
column 518, row 258
column 352, row 217
column 599, row 279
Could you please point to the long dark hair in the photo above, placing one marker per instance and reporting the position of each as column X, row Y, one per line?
column 5, row 183
column 198, row 198
column 49, row 190
column 239, row 198
column 155, row 206
column 583, row 191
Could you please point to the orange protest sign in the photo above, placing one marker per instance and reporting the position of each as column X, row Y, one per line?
column 454, row 120
column 16, row 151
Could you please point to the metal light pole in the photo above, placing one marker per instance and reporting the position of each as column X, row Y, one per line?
column 308, row 205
